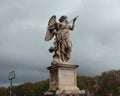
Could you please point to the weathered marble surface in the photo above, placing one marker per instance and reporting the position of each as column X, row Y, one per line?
column 62, row 44
column 63, row 79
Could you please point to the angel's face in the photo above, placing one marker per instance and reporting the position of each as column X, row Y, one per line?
column 61, row 19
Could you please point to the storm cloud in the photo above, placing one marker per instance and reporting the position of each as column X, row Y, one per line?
column 23, row 25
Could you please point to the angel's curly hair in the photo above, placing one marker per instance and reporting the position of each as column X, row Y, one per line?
column 64, row 18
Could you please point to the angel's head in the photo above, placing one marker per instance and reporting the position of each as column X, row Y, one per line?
column 63, row 19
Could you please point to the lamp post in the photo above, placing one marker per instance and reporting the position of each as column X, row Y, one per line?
column 10, row 77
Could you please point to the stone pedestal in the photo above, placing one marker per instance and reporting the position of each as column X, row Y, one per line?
column 63, row 81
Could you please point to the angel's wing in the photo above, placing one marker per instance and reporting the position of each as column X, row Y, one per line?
column 49, row 34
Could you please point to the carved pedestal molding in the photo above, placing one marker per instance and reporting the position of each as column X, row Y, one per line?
column 63, row 81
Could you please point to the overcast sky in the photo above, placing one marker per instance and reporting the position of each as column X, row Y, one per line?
column 23, row 25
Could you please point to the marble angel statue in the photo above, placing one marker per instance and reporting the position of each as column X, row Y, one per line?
column 62, row 44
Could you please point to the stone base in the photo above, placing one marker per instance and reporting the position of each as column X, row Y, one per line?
column 63, row 81
column 65, row 93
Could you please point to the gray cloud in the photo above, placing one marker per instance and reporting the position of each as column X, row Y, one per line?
column 99, row 37
column 22, row 30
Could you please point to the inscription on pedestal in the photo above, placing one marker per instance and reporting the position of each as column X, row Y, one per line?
column 67, row 78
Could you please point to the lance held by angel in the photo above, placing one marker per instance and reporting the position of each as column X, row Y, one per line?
column 62, row 44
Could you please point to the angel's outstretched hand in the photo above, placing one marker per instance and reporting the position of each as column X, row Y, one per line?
column 74, row 19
